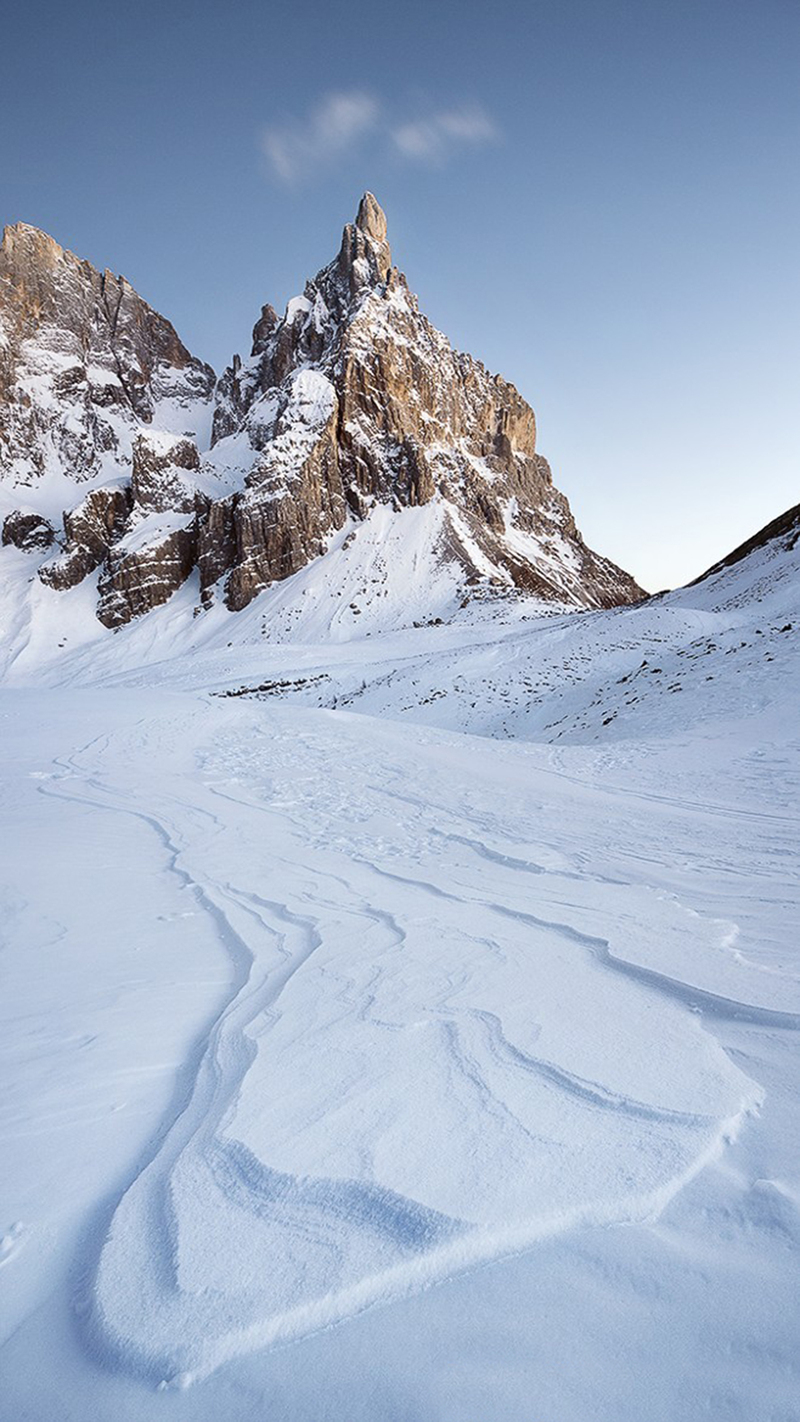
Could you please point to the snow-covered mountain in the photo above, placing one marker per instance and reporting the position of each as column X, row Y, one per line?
column 393, row 930
column 353, row 400
column 118, row 453
column 85, row 367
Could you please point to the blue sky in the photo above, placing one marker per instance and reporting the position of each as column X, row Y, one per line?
column 599, row 199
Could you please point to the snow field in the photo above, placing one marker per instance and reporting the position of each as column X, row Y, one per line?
column 445, row 1009
column 313, row 1010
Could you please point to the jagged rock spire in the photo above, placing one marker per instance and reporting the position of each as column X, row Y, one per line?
column 365, row 257
column 371, row 219
column 353, row 398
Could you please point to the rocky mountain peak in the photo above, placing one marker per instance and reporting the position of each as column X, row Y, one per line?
column 371, row 218
column 365, row 257
column 86, row 368
column 349, row 403
column 26, row 246
column 353, row 399
column 81, row 355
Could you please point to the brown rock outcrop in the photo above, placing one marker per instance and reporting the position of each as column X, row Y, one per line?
column 28, row 531
column 161, row 464
column 216, row 541
column 144, row 570
column 99, row 519
column 90, row 529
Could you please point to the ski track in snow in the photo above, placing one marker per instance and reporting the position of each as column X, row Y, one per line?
column 278, row 1202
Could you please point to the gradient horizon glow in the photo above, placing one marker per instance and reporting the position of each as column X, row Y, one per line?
column 599, row 200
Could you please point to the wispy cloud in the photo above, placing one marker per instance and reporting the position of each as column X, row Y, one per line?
column 433, row 139
column 341, row 121
column 336, row 125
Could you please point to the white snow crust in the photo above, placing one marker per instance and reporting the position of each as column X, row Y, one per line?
column 345, row 957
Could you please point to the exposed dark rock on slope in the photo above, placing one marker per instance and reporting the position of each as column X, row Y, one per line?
column 785, row 528
column 350, row 400
column 27, row 531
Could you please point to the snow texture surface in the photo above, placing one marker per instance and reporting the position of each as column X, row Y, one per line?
column 366, row 957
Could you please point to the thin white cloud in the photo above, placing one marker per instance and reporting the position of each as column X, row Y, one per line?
column 337, row 124
column 341, row 121
column 432, row 139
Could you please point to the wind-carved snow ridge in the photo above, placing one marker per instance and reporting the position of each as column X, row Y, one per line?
column 412, row 999
column 422, row 1070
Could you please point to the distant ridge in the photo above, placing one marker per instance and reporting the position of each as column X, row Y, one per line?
column 786, row 526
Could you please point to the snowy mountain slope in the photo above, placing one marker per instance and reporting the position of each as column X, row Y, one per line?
column 380, row 575
column 337, row 634
column 726, row 645
column 781, row 533
column 330, row 1007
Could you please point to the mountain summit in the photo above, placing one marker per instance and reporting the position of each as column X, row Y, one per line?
column 352, row 399
column 349, row 403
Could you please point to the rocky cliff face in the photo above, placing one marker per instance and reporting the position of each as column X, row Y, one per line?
column 352, row 398
column 349, row 401
column 88, row 372
column 83, row 363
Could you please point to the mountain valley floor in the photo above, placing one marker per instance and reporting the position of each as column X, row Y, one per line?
column 407, row 1029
